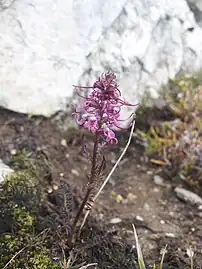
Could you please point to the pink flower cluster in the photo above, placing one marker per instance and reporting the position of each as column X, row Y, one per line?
column 101, row 108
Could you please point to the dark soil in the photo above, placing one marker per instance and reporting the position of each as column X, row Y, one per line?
column 131, row 195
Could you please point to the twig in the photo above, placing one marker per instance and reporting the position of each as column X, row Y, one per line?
column 88, row 265
column 70, row 261
column 13, row 257
column 110, row 174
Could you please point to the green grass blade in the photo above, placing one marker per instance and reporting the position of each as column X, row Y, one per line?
column 139, row 251
column 163, row 252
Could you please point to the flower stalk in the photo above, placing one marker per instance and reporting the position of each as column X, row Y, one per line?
column 100, row 114
column 89, row 188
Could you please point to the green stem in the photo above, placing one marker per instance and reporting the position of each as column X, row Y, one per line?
column 89, row 189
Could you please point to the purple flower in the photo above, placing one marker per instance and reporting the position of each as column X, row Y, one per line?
column 101, row 108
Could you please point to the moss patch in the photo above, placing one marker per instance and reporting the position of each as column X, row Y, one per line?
column 21, row 199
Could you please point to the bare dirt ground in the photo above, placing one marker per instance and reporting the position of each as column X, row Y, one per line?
column 131, row 196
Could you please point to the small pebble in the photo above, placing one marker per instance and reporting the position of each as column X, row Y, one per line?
column 22, row 128
column 61, row 174
column 75, row 172
column 139, row 218
column 115, row 220
column 170, row 235
column 13, row 152
column 149, row 173
column 55, row 187
column 162, row 221
column 200, row 207
column 188, row 196
column 158, row 180
column 63, row 143
column 131, row 197
column 171, row 213
column 146, row 206
column 156, row 189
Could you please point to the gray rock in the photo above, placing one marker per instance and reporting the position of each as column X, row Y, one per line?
column 139, row 218
column 159, row 180
column 115, row 220
column 149, row 42
column 44, row 46
column 188, row 196
column 146, row 207
column 4, row 171
column 172, row 235
column 48, row 46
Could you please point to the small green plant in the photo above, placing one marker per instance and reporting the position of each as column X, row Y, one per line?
column 140, row 255
column 178, row 143
column 163, row 252
column 21, row 199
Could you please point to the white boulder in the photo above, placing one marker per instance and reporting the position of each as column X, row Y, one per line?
column 46, row 46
